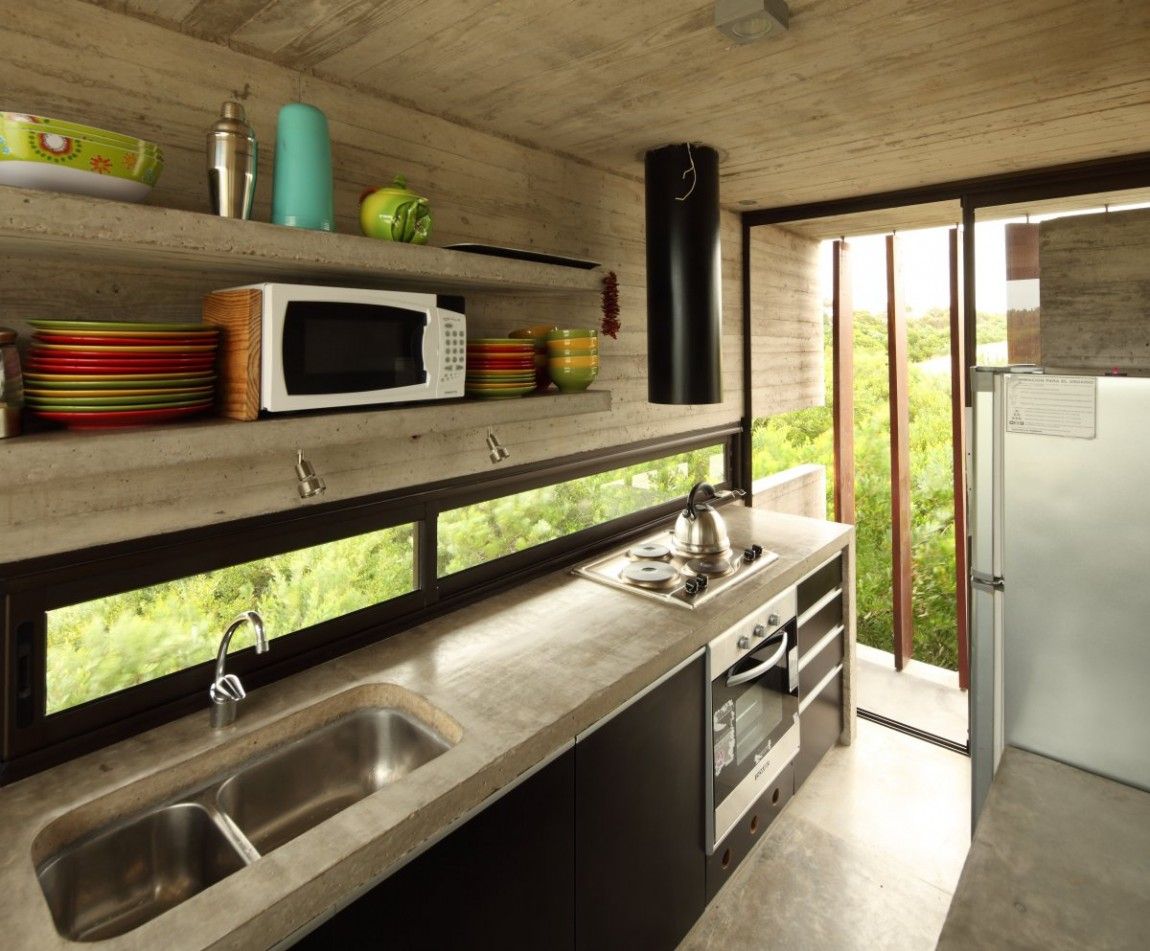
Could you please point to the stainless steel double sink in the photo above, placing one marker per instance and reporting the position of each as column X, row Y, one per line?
column 119, row 876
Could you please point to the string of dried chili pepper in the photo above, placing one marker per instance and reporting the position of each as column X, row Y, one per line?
column 610, row 324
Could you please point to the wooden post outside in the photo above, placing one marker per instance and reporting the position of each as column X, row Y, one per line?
column 842, row 383
column 958, row 441
column 899, row 458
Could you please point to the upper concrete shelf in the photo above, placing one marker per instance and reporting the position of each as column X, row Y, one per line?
column 33, row 222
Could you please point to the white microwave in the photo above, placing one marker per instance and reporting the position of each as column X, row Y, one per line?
column 291, row 347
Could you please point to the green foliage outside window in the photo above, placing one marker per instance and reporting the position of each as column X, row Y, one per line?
column 474, row 534
column 101, row 646
column 806, row 436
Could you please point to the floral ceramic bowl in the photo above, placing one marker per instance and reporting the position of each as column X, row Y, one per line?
column 38, row 152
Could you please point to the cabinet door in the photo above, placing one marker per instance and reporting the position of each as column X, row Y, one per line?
column 640, row 863
column 820, row 725
column 503, row 880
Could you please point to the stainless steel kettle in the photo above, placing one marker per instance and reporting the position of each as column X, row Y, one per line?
column 700, row 530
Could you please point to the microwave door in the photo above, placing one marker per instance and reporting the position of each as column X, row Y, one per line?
column 343, row 353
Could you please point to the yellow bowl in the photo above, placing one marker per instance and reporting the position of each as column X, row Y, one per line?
column 584, row 360
column 572, row 347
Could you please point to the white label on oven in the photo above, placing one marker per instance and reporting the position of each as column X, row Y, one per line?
column 723, row 724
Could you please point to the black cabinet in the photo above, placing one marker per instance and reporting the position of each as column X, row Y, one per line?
column 640, row 862
column 503, row 880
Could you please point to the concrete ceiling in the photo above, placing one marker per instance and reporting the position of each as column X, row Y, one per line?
column 859, row 96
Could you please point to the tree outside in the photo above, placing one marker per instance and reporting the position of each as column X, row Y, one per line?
column 806, row 436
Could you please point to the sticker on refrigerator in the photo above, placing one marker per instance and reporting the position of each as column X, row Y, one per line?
column 1052, row 405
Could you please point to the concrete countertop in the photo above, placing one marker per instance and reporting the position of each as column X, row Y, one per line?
column 1060, row 860
column 517, row 676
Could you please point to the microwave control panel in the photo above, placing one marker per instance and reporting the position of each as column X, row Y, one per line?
column 452, row 353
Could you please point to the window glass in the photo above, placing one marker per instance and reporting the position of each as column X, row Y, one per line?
column 474, row 534
column 108, row 644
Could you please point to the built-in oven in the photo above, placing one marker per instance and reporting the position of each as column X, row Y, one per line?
column 753, row 693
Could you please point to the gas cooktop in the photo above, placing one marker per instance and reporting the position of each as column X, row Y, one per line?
column 653, row 568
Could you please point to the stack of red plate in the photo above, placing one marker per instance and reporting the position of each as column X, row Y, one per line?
column 93, row 374
column 500, row 367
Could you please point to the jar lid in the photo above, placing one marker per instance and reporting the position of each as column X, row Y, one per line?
column 7, row 335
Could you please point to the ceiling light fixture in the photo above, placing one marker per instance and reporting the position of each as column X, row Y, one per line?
column 745, row 21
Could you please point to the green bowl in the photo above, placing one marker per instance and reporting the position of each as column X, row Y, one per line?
column 572, row 379
column 571, row 333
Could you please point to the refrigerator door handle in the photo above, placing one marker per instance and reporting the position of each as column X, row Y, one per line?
column 984, row 582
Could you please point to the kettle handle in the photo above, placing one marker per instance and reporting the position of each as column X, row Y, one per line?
column 712, row 495
column 692, row 508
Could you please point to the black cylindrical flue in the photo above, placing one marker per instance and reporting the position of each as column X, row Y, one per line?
column 684, row 276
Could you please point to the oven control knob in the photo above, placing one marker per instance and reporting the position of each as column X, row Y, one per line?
column 759, row 631
column 773, row 620
column 744, row 643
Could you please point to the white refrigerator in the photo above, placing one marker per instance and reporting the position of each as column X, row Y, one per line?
column 1059, row 483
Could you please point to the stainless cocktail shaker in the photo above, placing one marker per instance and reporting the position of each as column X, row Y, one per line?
column 232, row 158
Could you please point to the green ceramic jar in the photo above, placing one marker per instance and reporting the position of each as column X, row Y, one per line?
column 395, row 213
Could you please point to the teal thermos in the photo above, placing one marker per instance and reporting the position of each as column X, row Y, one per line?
column 302, row 189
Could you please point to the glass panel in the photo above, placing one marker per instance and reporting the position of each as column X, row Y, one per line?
column 101, row 646
column 475, row 534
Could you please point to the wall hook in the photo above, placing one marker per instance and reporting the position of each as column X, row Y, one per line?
column 496, row 451
column 310, row 484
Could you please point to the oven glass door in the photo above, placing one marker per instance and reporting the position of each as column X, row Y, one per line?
column 342, row 347
column 748, row 718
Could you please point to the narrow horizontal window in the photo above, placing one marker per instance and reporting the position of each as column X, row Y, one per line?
column 98, row 647
column 474, row 534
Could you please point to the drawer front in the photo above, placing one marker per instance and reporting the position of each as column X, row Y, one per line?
column 814, row 586
column 741, row 839
column 814, row 669
column 820, row 725
column 815, row 628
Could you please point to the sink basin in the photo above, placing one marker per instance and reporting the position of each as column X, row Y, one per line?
column 107, row 884
column 119, row 875
column 311, row 779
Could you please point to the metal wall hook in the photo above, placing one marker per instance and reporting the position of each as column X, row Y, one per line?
column 310, row 484
column 496, row 451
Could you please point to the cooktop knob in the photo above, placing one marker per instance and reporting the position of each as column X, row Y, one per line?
column 743, row 643
column 758, row 550
column 748, row 555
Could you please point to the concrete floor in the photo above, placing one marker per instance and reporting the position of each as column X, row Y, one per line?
column 921, row 695
column 866, row 856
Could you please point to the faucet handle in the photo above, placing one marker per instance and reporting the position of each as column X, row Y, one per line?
column 227, row 689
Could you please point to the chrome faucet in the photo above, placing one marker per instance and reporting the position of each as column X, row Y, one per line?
column 226, row 690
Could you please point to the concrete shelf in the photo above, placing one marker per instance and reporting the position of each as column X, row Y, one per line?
column 59, row 225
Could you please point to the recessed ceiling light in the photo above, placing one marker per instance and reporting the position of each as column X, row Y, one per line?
column 745, row 21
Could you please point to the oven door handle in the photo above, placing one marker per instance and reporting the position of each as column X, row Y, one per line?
column 734, row 680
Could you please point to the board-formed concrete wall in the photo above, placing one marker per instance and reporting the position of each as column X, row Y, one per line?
column 77, row 61
column 1095, row 291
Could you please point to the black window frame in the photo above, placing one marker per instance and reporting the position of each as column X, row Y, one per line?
column 32, row 740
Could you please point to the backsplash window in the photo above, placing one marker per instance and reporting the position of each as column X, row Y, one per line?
column 109, row 644
column 475, row 534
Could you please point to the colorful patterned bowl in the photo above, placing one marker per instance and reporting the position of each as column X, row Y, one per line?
column 38, row 152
